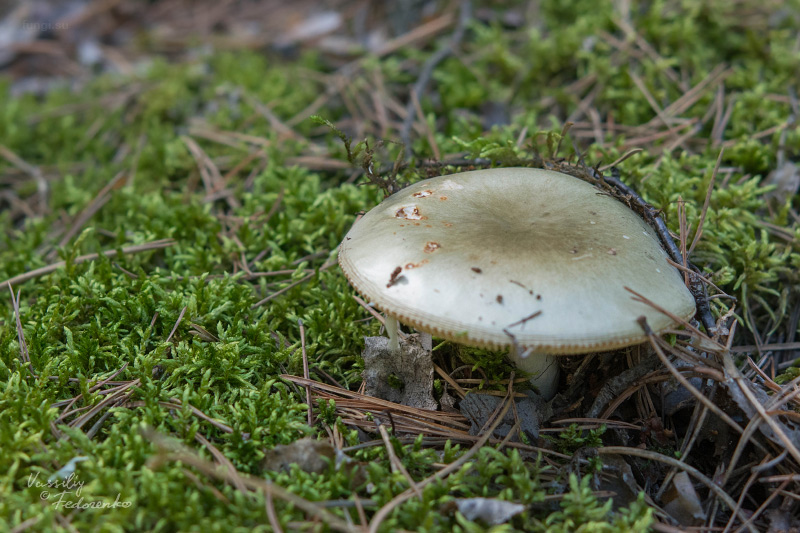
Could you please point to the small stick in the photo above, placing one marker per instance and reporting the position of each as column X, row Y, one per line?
column 701, row 279
column 683, row 232
column 384, row 511
column 683, row 381
column 177, row 322
column 222, row 460
column 653, row 456
column 305, row 372
column 620, row 159
column 450, row 381
column 437, row 154
column 291, row 286
column 394, row 461
column 271, row 514
column 707, row 200
column 742, row 496
column 362, row 516
column 90, row 210
column 763, row 505
column 172, row 450
column 427, row 71
column 23, row 345
column 49, row 269
column 735, row 373
column 32, row 171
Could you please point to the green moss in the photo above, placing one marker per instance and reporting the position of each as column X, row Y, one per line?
column 573, row 438
column 581, row 511
column 86, row 321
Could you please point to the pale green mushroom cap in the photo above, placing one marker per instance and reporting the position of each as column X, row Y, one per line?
column 536, row 253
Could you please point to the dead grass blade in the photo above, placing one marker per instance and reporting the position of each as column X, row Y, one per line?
column 275, row 294
column 692, row 471
column 23, row 344
column 395, row 463
column 49, row 269
column 90, row 210
column 685, row 382
column 32, row 171
column 384, row 511
column 699, row 232
column 171, row 450
column 744, row 385
column 305, row 373
column 359, row 410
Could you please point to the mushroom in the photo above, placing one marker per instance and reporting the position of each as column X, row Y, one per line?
column 532, row 260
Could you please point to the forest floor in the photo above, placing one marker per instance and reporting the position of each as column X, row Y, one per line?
column 179, row 350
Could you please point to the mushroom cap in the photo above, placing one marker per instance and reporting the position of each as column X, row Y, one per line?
column 544, row 256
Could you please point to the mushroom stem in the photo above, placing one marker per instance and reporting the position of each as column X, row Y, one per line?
column 392, row 328
column 544, row 368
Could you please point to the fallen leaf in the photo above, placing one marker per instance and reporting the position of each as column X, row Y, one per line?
column 682, row 503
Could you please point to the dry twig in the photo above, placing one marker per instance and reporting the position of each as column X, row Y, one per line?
column 49, row 269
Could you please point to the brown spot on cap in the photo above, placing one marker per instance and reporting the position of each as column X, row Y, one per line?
column 394, row 277
column 431, row 246
column 409, row 266
column 443, row 198
column 499, row 298
column 408, row 212
column 477, row 270
column 422, row 194
column 612, row 251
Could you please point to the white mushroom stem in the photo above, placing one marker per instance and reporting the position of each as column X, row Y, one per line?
column 542, row 366
column 392, row 328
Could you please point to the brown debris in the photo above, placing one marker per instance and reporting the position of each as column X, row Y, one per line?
column 311, row 455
